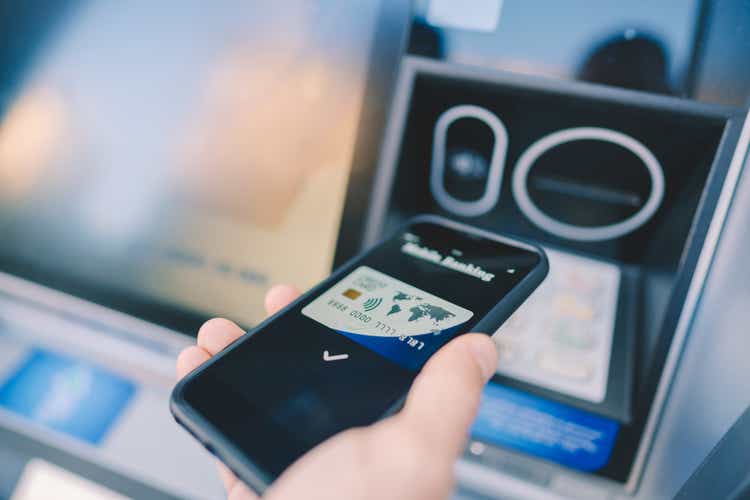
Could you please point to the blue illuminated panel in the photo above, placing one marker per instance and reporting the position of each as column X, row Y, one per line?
column 66, row 395
column 546, row 429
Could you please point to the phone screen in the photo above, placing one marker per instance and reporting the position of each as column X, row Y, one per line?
column 348, row 352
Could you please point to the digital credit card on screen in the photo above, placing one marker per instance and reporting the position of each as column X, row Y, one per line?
column 397, row 320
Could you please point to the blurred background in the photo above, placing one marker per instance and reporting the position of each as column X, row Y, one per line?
column 163, row 163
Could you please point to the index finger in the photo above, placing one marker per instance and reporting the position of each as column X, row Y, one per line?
column 279, row 297
column 216, row 334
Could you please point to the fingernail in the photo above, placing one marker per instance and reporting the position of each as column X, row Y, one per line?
column 485, row 353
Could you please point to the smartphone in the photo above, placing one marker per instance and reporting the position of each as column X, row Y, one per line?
column 345, row 353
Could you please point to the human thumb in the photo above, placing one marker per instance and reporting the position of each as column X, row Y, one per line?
column 444, row 398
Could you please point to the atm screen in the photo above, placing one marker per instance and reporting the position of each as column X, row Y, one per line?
column 187, row 157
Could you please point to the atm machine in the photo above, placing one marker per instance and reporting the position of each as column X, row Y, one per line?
column 144, row 198
column 614, row 137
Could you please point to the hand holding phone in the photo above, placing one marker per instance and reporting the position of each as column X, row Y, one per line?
column 345, row 354
column 389, row 449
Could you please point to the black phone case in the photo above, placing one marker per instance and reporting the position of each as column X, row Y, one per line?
column 258, row 480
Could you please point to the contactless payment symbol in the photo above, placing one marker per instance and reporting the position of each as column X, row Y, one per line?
column 371, row 303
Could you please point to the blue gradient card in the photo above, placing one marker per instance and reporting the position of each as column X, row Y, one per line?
column 66, row 395
column 546, row 429
column 399, row 321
